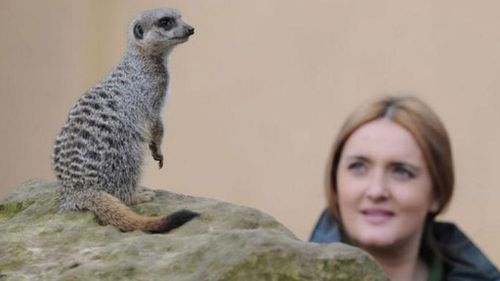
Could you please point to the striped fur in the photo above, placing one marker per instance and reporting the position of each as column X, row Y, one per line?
column 99, row 152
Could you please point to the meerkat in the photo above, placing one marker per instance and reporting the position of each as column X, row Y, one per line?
column 99, row 152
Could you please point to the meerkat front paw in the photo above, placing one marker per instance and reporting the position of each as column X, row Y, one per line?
column 156, row 153
column 159, row 158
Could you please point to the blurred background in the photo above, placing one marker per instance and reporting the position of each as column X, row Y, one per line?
column 260, row 91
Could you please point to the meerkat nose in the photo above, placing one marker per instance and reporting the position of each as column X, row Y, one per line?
column 191, row 30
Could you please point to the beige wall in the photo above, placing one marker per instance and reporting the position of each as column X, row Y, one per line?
column 261, row 89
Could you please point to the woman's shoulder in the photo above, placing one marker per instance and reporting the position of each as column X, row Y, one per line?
column 326, row 230
column 463, row 259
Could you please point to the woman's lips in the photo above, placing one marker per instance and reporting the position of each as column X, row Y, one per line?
column 377, row 216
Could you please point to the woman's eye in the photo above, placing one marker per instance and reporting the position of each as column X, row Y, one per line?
column 403, row 173
column 357, row 167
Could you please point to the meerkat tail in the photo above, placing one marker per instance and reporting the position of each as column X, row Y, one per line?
column 110, row 210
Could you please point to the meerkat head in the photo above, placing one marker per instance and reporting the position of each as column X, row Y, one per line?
column 157, row 31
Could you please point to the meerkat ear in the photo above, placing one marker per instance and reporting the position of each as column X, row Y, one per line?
column 138, row 32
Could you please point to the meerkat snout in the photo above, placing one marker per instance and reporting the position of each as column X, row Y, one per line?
column 187, row 30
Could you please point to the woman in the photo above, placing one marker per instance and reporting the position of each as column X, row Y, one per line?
column 391, row 174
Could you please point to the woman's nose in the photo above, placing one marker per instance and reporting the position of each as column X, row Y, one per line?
column 377, row 187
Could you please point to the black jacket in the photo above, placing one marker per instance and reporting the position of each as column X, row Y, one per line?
column 464, row 261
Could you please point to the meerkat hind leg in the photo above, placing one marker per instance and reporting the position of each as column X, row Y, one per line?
column 142, row 195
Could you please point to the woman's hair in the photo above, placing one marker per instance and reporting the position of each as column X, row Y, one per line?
column 424, row 125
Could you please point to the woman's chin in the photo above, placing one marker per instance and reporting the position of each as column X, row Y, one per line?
column 376, row 241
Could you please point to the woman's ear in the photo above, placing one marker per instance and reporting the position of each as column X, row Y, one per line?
column 435, row 205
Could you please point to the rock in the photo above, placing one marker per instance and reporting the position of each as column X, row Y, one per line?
column 227, row 242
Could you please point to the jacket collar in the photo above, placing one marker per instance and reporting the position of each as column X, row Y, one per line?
column 462, row 259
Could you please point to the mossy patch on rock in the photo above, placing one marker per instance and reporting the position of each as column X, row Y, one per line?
column 227, row 242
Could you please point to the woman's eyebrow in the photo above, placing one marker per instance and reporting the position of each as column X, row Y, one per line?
column 358, row 158
column 411, row 166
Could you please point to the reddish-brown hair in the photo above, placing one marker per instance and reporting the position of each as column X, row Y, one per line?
column 425, row 126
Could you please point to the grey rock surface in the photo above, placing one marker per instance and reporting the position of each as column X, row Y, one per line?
column 227, row 242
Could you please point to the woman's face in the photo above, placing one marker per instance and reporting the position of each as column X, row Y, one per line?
column 384, row 187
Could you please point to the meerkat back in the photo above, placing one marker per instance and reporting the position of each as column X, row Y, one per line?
column 98, row 154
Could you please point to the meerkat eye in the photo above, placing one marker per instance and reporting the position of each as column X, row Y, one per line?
column 166, row 23
column 138, row 32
